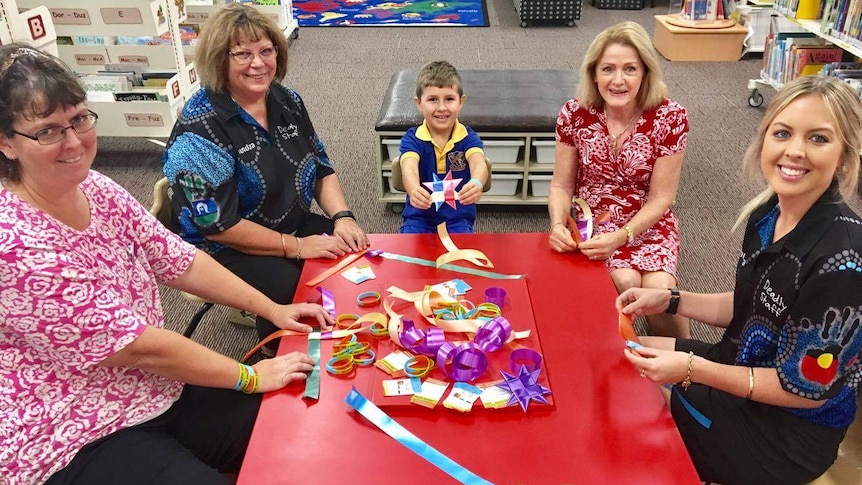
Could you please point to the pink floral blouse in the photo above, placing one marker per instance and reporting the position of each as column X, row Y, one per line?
column 68, row 300
column 619, row 183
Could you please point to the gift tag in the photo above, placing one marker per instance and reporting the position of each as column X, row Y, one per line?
column 492, row 396
column 432, row 392
column 462, row 397
column 358, row 274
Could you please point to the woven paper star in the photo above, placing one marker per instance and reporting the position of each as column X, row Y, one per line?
column 524, row 387
column 443, row 191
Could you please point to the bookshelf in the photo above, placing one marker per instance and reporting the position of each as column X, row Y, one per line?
column 838, row 22
column 150, row 18
column 281, row 13
column 33, row 27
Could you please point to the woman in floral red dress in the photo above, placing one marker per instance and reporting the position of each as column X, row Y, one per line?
column 620, row 146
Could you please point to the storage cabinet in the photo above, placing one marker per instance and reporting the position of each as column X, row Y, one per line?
column 515, row 167
column 134, row 18
column 513, row 111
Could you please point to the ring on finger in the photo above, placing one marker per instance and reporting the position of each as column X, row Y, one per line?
column 643, row 372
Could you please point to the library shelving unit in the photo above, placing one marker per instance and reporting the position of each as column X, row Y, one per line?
column 33, row 27
column 802, row 19
column 151, row 18
column 281, row 13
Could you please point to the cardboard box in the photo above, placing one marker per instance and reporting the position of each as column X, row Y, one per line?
column 688, row 44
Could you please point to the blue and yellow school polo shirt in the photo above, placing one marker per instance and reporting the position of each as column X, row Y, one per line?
column 464, row 142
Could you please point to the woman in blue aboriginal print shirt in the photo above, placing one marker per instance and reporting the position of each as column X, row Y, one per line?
column 771, row 402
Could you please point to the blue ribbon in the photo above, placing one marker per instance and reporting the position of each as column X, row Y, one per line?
column 382, row 420
column 451, row 267
column 700, row 418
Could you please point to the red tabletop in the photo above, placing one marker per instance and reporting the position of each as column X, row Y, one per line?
column 606, row 425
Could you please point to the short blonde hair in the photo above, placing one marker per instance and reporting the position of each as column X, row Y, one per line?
column 843, row 105
column 652, row 90
column 222, row 30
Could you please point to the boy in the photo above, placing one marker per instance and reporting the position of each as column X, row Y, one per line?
column 439, row 145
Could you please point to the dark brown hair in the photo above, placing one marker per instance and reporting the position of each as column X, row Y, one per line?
column 33, row 84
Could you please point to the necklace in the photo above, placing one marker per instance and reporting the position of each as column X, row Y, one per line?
column 615, row 138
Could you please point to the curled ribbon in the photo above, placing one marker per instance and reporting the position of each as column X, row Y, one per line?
column 327, row 300
column 454, row 254
column 418, row 341
column 464, row 363
column 581, row 228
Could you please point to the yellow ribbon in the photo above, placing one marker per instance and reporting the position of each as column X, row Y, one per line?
column 454, row 254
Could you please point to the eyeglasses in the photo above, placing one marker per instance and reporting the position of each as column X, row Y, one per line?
column 55, row 134
column 245, row 57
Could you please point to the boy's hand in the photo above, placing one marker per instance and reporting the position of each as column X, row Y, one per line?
column 470, row 193
column 420, row 198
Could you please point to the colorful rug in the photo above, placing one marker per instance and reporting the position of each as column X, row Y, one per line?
column 382, row 13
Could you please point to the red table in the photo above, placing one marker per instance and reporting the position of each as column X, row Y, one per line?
column 608, row 425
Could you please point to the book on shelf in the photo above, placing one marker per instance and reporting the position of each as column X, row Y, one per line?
column 145, row 94
column 102, row 87
column 809, row 60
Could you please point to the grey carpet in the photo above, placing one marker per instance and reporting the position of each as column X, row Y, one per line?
column 342, row 74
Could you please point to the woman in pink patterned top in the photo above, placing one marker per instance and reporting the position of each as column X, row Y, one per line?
column 620, row 146
column 92, row 388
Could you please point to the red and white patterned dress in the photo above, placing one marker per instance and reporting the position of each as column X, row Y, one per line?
column 619, row 183
column 68, row 300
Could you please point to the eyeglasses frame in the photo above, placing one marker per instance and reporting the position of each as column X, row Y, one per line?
column 63, row 132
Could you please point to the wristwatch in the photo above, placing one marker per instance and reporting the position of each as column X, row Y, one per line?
column 673, row 305
column 342, row 215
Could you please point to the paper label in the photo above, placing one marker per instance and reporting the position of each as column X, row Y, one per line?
column 462, row 397
column 432, row 392
column 494, row 397
column 393, row 364
column 69, row 16
column 399, row 387
column 358, row 274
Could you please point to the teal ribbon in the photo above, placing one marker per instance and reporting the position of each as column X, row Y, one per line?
column 451, row 267
column 382, row 420
column 312, row 382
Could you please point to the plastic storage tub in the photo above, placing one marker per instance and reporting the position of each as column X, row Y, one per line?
column 540, row 185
